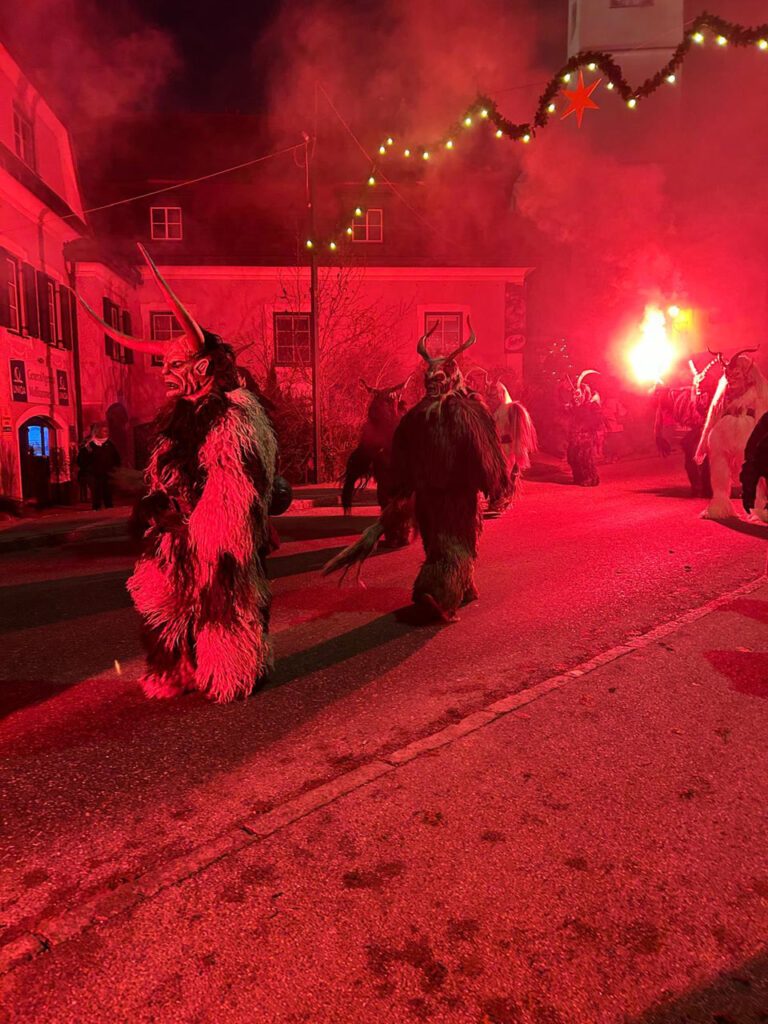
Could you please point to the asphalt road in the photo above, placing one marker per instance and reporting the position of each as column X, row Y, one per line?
column 99, row 785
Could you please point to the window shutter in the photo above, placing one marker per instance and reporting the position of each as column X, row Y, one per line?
column 31, row 314
column 5, row 298
column 67, row 314
column 45, row 320
column 126, row 319
column 109, row 345
column 72, row 316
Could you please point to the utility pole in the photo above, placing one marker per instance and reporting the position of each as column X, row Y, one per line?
column 313, row 312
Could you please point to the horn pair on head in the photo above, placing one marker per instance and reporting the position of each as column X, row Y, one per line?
column 741, row 352
column 421, row 348
column 192, row 330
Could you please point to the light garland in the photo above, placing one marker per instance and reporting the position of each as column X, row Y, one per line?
column 485, row 109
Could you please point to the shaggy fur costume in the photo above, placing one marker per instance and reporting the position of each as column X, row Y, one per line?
column 684, row 409
column 372, row 459
column 445, row 451
column 201, row 586
column 584, row 426
column 755, row 466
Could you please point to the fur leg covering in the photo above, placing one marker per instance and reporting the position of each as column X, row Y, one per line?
column 397, row 519
column 450, row 526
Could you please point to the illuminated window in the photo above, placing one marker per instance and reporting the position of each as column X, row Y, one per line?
column 292, row 338
column 162, row 327
column 369, row 227
column 24, row 137
column 165, row 223
column 447, row 335
column 13, row 312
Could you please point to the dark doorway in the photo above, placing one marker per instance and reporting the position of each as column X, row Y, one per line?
column 37, row 443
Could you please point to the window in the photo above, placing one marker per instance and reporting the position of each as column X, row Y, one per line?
column 121, row 321
column 13, row 317
column 24, row 137
column 49, row 311
column 369, row 227
column 162, row 327
column 447, row 335
column 292, row 338
column 165, row 223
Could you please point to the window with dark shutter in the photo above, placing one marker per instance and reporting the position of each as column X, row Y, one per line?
column 109, row 345
column 47, row 328
column 127, row 352
column 31, row 316
column 67, row 315
column 5, row 288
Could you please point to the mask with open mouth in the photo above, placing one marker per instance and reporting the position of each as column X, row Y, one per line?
column 188, row 370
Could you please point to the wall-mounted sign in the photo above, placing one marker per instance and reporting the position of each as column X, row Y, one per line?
column 62, row 387
column 30, row 383
column 5, row 420
column 19, row 381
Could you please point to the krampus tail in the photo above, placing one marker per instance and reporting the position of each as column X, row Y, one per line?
column 356, row 553
column 357, row 474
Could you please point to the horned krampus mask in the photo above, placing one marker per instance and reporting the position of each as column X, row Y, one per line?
column 737, row 370
column 443, row 374
column 581, row 392
column 194, row 361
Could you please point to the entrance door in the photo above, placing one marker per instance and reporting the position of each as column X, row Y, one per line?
column 37, row 439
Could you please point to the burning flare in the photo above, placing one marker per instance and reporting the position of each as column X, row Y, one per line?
column 654, row 354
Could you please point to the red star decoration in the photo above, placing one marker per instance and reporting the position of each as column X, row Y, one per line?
column 580, row 99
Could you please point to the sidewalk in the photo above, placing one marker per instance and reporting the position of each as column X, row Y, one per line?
column 588, row 851
column 72, row 526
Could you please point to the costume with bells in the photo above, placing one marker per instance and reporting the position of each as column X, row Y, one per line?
column 372, row 458
column 200, row 585
column 585, row 421
column 445, row 451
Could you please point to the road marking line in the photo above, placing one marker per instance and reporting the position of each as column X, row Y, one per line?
column 101, row 907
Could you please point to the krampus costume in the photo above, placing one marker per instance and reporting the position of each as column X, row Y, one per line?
column 755, row 467
column 445, row 450
column 372, row 459
column 585, row 421
column 200, row 585
column 683, row 412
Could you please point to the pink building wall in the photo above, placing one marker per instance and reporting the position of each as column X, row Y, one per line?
column 239, row 302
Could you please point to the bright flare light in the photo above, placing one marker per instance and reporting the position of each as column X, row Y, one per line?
column 653, row 355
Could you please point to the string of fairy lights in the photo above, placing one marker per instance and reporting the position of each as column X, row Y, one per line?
column 484, row 110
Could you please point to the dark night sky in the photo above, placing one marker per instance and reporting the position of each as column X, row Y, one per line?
column 216, row 44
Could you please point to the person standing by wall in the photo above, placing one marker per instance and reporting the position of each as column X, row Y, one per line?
column 97, row 459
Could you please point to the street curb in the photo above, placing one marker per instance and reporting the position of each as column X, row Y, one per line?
column 101, row 907
column 99, row 531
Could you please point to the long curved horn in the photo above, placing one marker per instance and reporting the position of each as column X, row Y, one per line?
column 192, row 329
column 717, row 355
column 582, row 375
column 396, row 387
column 367, row 386
column 155, row 348
column 470, row 341
column 741, row 352
column 421, row 348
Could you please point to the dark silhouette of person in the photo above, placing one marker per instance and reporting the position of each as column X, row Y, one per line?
column 97, row 459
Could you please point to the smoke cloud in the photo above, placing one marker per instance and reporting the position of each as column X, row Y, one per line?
column 93, row 61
